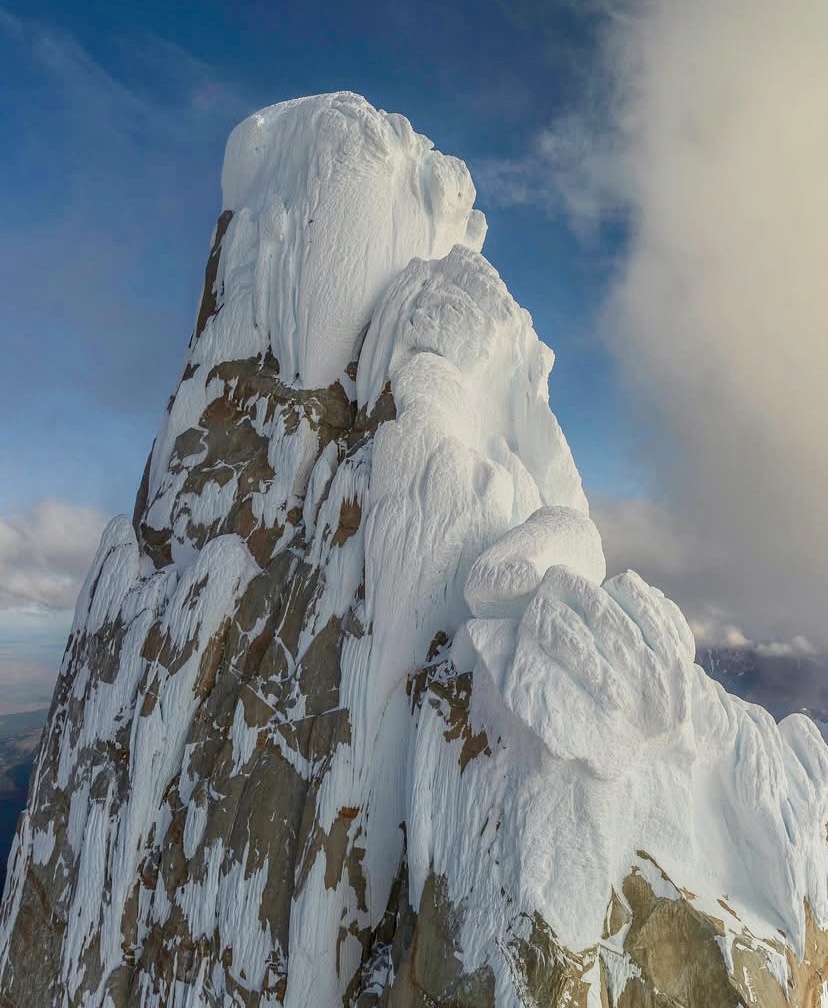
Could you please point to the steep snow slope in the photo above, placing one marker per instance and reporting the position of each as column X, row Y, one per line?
column 348, row 715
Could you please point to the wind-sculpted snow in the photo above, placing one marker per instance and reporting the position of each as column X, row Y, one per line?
column 505, row 577
column 624, row 745
column 464, row 362
column 330, row 200
column 349, row 715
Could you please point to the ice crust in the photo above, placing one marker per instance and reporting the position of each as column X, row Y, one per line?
column 506, row 576
column 628, row 746
column 326, row 180
column 351, row 237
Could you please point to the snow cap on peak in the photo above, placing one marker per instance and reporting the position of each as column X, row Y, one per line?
column 330, row 199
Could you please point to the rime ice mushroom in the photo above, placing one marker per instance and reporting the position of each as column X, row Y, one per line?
column 330, row 200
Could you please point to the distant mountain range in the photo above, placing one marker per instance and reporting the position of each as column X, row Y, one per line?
column 19, row 736
column 782, row 683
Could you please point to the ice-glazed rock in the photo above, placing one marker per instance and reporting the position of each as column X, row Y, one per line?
column 347, row 716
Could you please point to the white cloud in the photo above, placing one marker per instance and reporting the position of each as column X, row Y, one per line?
column 721, row 309
column 712, row 140
column 573, row 170
column 646, row 537
column 689, row 567
column 798, row 646
column 712, row 628
column 45, row 554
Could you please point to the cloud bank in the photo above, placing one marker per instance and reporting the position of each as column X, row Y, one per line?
column 721, row 305
column 709, row 147
column 45, row 554
column 691, row 567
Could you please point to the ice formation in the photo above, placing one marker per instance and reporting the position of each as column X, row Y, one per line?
column 349, row 714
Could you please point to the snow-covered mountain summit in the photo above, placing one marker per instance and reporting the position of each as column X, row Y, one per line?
column 349, row 715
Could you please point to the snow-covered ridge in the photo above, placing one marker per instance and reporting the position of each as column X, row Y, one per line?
column 358, row 644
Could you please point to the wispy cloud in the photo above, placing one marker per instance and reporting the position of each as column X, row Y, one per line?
column 44, row 557
column 571, row 171
column 32, row 640
column 109, row 230
column 26, row 685
column 159, row 88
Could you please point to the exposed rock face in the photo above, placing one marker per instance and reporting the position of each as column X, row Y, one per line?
column 346, row 716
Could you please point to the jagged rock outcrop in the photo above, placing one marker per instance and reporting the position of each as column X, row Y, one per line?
column 348, row 715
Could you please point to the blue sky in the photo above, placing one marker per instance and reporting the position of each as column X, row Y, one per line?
column 650, row 200
column 115, row 121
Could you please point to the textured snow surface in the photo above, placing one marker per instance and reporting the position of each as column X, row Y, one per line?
column 321, row 181
column 352, row 238
column 625, row 745
column 506, row 576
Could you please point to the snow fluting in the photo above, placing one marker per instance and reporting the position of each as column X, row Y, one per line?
column 349, row 714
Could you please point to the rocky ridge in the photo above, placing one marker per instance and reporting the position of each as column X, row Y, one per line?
column 348, row 714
